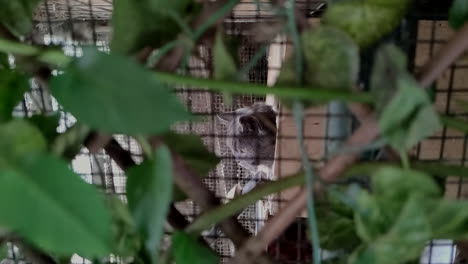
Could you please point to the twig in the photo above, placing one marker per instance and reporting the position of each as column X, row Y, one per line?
column 443, row 59
column 96, row 141
column 365, row 134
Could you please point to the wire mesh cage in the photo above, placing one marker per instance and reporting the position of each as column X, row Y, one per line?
column 73, row 23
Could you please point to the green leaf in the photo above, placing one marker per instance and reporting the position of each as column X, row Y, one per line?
column 19, row 138
column 17, row 15
column 370, row 221
column 331, row 57
column 149, row 192
column 404, row 241
column 187, row 250
column 409, row 117
column 455, row 123
column 126, row 238
column 223, row 63
column 458, row 14
column 406, row 114
column 13, row 85
column 449, row 220
column 366, row 20
column 62, row 205
column 47, row 123
column 122, row 98
column 391, row 188
column 336, row 231
column 331, row 61
column 147, row 22
column 4, row 64
column 394, row 184
column 3, row 252
column 194, row 152
column 390, row 64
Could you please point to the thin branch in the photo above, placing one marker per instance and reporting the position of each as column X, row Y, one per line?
column 445, row 57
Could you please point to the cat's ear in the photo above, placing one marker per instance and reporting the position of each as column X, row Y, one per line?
column 226, row 117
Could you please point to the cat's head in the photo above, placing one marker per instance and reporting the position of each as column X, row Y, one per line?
column 251, row 135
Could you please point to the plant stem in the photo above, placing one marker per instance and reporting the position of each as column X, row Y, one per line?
column 220, row 13
column 298, row 111
column 405, row 160
column 224, row 211
column 316, row 94
column 145, row 146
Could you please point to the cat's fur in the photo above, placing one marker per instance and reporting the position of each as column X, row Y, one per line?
column 251, row 137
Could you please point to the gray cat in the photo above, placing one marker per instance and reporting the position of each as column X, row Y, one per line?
column 251, row 137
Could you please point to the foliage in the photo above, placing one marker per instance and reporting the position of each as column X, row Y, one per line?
column 366, row 21
column 12, row 87
column 16, row 15
column 187, row 250
column 386, row 221
column 124, row 100
column 149, row 194
column 331, row 61
column 409, row 116
column 136, row 23
column 458, row 14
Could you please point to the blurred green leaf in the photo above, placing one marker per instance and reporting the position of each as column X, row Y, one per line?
column 370, row 221
column 187, row 250
column 4, row 64
column 455, row 123
column 391, row 188
column 123, row 98
column 449, row 219
column 149, row 193
column 19, row 138
column 223, row 63
column 68, row 144
column 389, row 65
column 366, row 20
column 126, row 238
column 337, row 232
column 403, row 242
column 61, row 204
column 409, row 116
column 17, row 15
column 147, row 22
column 47, row 123
column 331, row 57
column 3, row 252
column 194, row 152
column 458, row 14
column 331, row 61
column 13, row 85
